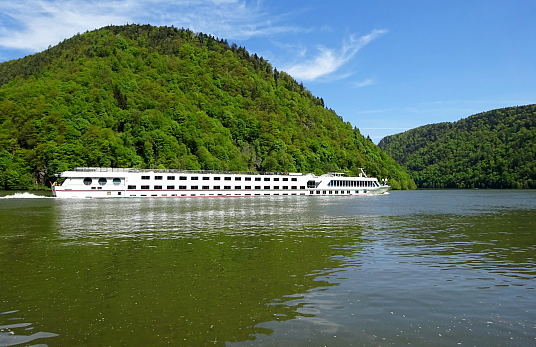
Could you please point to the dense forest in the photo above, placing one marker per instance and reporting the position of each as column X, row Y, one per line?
column 162, row 97
column 495, row 149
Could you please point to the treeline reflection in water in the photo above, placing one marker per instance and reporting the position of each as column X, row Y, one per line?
column 421, row 268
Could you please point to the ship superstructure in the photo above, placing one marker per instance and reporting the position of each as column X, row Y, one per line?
column 138, row 183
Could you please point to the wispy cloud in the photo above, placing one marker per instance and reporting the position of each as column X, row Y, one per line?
column 364, row 83
column 330, row 60
column 41, row 23
column 34, row 24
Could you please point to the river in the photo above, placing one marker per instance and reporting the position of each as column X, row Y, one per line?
column 421, row 268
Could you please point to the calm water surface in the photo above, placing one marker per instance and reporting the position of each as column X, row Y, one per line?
column 442, row 268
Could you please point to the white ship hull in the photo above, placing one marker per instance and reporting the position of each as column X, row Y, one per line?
column 137, row 183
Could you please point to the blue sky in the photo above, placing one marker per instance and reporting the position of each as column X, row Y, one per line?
column 384, row 66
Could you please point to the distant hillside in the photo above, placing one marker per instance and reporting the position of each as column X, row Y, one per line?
column 495, row 149
column 161, row 97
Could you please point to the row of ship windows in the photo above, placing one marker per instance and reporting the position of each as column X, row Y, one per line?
column 318, row 192
column 217, row 187
column 218, row 178
column 117, row 181
column 343, row 183
column 102, row 181
column 336, row 183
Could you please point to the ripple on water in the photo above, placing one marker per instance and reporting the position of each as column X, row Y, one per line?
column 16, row 334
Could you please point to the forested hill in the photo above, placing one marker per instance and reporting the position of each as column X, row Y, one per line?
column 161, row 97
column 495, row 149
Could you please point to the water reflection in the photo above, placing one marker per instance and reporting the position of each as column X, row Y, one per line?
column 420, row 268
column 463, row 277
column 12, row 333
column 192, row 270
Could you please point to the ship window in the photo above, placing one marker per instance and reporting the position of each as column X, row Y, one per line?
column 217, row 178
column 109, row 193
column 182, row 178
column 171, row 178
column 158, row 177
column 266, row 187
column 257, row 187
column 248, row 187
column 302, row 187
column 170, row 187
column 144, row 177
column 226, row 187
column 157, row 187
column 194, row 178
column 206, row 178
column 116, row 181
column 216, row 187
column 144, row 187
column 311, row 184
column 227, row 178
column 285, row 178
column 257, row 178
column 294, row 187
column 266, row 179
column 205, row 187
column 87, row 181
column 194, row 187
column 237, row 187
column 276, row 187
column 102, row 181
column 238, row 178
column 276, row 178
column 293, row 179
column 182, row 187
column 247, row 178
column 285, row 187
column 131, row 187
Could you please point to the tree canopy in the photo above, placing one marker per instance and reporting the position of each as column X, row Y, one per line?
column 162, row 97
column 494, row 149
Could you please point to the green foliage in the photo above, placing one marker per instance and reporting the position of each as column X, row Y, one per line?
column 161, row 97
column 495, row 149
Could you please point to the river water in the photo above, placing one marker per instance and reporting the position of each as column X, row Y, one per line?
column 421, row 268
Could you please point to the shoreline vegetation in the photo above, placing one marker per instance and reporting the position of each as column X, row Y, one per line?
column 166, row 98
column 494, row 149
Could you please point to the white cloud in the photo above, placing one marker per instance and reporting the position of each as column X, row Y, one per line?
column 42, row 23
column 34, row 24
column 364, row 83
column 329, row 60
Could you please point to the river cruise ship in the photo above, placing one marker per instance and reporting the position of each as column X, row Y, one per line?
column 141, row 183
